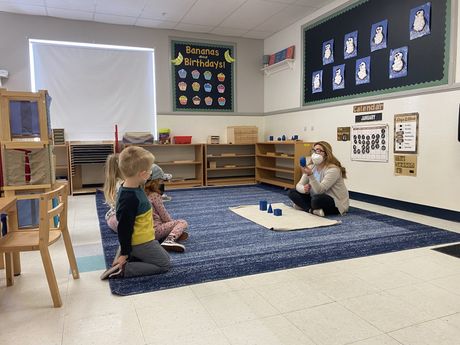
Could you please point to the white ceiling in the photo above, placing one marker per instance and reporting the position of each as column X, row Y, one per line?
column 242, row 18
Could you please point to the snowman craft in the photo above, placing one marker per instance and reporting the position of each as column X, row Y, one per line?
column 419, row 25
column 338, row 76
column 378, row 35
column 316, row 82
column 398, row 62
column 350, row 45
column 419, row 21
column 362, row 71
column 328, row 52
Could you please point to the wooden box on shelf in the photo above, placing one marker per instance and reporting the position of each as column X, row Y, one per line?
column 229, row 164
column 277, row 162
column 242, row 135
column 183, row 161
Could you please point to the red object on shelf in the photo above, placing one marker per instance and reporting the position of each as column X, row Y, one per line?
column 182, row 139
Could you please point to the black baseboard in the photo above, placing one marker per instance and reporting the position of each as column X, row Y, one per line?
column 408, row 206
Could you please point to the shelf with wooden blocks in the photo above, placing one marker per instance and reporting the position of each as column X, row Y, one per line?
column 277, row 162
column 183, row 161
column 229, row 164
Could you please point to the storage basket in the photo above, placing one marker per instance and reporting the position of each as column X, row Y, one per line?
column 182, row 139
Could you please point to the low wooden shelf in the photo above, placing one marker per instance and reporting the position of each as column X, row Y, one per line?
column 277, row 162
column 229, row 164
column 183, row 161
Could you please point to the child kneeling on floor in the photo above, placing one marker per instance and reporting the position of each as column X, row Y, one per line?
column 140, row 254
column 166, row 228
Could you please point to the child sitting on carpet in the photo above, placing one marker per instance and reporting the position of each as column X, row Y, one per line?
column 140, row 254
column 165, row 227
column 112, row 183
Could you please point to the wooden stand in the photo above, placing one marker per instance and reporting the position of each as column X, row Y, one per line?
column 16, row 136
column 277, row 162
column 183, row 161
column 228, row 164
column 84, row 154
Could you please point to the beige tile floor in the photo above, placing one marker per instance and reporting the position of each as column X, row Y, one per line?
column 410, row 297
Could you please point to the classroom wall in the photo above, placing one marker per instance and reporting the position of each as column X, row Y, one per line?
column 14, row 57
column 437, row 182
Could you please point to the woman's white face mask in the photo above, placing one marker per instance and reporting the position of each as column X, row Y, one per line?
column 317, row 159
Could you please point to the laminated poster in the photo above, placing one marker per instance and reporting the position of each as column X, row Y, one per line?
column 338, row 77
column 379, row 35
column 363, row 70
column 350, row 45
column 328, row 52
column 202, row 76
column 420, row 21
column 398, row 62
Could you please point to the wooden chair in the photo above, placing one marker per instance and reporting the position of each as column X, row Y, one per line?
column 52, row 210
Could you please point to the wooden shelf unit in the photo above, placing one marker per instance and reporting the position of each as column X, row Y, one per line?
column 183, row 161
column 234, row 164
column 61, row 160
column 277, row 162
column 85, row 156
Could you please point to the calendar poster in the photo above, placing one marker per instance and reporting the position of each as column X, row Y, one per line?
column 369, row 143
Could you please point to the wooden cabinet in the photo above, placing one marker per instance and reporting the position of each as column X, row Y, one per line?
column 87, row 159
column 183, row 161
column 277, row 162
column 228, row 164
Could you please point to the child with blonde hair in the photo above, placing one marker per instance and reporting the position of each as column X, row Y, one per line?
column 140, row 253
column 112, row 183
column 166, row 228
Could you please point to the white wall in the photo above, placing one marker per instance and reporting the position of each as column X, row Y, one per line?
column 202, row 126
column 437, row 183
column 14, row 57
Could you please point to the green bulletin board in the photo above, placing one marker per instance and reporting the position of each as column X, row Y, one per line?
column 202, row 76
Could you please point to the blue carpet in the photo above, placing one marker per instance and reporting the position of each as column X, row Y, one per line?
column 224, row 245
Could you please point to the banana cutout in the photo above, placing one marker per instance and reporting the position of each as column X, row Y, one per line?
column 178, row 60
column 227, row 56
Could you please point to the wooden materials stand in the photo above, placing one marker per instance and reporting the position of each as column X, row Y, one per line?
column 24, row 134
column 183, row 161
column 277, row 162
column 228, row 164
column 88, row 154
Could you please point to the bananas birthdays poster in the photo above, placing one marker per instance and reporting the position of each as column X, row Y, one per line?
column 202, row 76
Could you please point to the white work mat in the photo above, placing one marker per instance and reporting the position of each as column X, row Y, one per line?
column 291, row 219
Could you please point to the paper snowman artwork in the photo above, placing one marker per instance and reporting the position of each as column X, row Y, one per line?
column 420, row 21
column 398, row 62
column 363, row 70
column 328, row 52
column 379, row 35
column 350, row 45
column 317, row 82
column 338, row 77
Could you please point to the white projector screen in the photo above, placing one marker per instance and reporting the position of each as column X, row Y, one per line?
column 93, row 88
